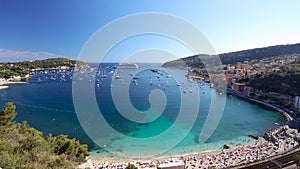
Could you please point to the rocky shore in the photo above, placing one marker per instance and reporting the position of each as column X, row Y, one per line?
column 4, row 83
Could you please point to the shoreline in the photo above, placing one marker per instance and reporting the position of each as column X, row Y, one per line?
column 283, row 113
column 4, row 83
column 209, row 153
column 154, row 158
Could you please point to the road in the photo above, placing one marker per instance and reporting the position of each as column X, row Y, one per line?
column 277, row 162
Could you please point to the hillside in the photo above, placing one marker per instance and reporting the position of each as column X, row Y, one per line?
column 239, row 56
column 288, row 84
column 8, row 70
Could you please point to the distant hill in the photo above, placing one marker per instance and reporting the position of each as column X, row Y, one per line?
column 239, row 56
column 8, row 70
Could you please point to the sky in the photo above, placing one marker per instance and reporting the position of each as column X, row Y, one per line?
column 37, row 29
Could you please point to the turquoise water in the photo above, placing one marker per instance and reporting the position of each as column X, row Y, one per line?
column 46, row 103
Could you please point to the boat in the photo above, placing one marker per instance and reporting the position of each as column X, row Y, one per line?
column 104, row 76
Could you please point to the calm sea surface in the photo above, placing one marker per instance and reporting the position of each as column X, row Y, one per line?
column 46, row 103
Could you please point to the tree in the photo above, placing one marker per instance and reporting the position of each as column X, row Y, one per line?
column 7, row 114
column 71, row 147
column 131, row 166
column 296, row 158
column 24, row 147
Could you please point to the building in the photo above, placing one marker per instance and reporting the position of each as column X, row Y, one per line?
column 238, row 87
column 248, row 90
column 297, row 102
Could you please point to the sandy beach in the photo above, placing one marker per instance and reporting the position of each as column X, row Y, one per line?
column 123, row 159
column 236, row 156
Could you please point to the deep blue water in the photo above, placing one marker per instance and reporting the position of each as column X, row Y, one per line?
column 46, row 103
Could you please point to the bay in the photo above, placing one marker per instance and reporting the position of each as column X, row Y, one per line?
column 46, row 103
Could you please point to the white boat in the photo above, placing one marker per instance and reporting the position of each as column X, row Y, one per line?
column 128, row 66
column 104, row 76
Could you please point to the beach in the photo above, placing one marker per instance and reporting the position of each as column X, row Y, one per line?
column 282, row 139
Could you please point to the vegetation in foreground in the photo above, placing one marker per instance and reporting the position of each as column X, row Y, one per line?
column 296, row 158
column 24, row 147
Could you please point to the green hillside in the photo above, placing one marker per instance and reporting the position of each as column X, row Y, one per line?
column 8, row 70
column 239, row 56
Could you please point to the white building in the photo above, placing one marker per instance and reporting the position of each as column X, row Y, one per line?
column 297, row 102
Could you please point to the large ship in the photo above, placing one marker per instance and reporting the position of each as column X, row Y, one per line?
column 127, row 66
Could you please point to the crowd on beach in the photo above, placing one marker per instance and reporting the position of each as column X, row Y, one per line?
column 144, row 164
column 284, row 139
column 280, row 141
column 238, row 156
column 121, row 165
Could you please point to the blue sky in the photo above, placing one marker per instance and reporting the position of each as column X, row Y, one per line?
column 62, row 27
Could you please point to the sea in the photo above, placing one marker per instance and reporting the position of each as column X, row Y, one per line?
column 148, row 111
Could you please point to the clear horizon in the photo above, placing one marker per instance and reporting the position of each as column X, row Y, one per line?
column 38, row 30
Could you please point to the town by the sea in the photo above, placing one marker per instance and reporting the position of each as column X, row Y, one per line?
column 46, row 103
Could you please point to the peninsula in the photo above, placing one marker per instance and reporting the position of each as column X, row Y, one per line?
column 18, row 72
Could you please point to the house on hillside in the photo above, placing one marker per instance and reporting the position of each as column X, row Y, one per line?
column 238, row 87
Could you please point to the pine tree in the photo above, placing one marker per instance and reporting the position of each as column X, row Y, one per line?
column 7, row 114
